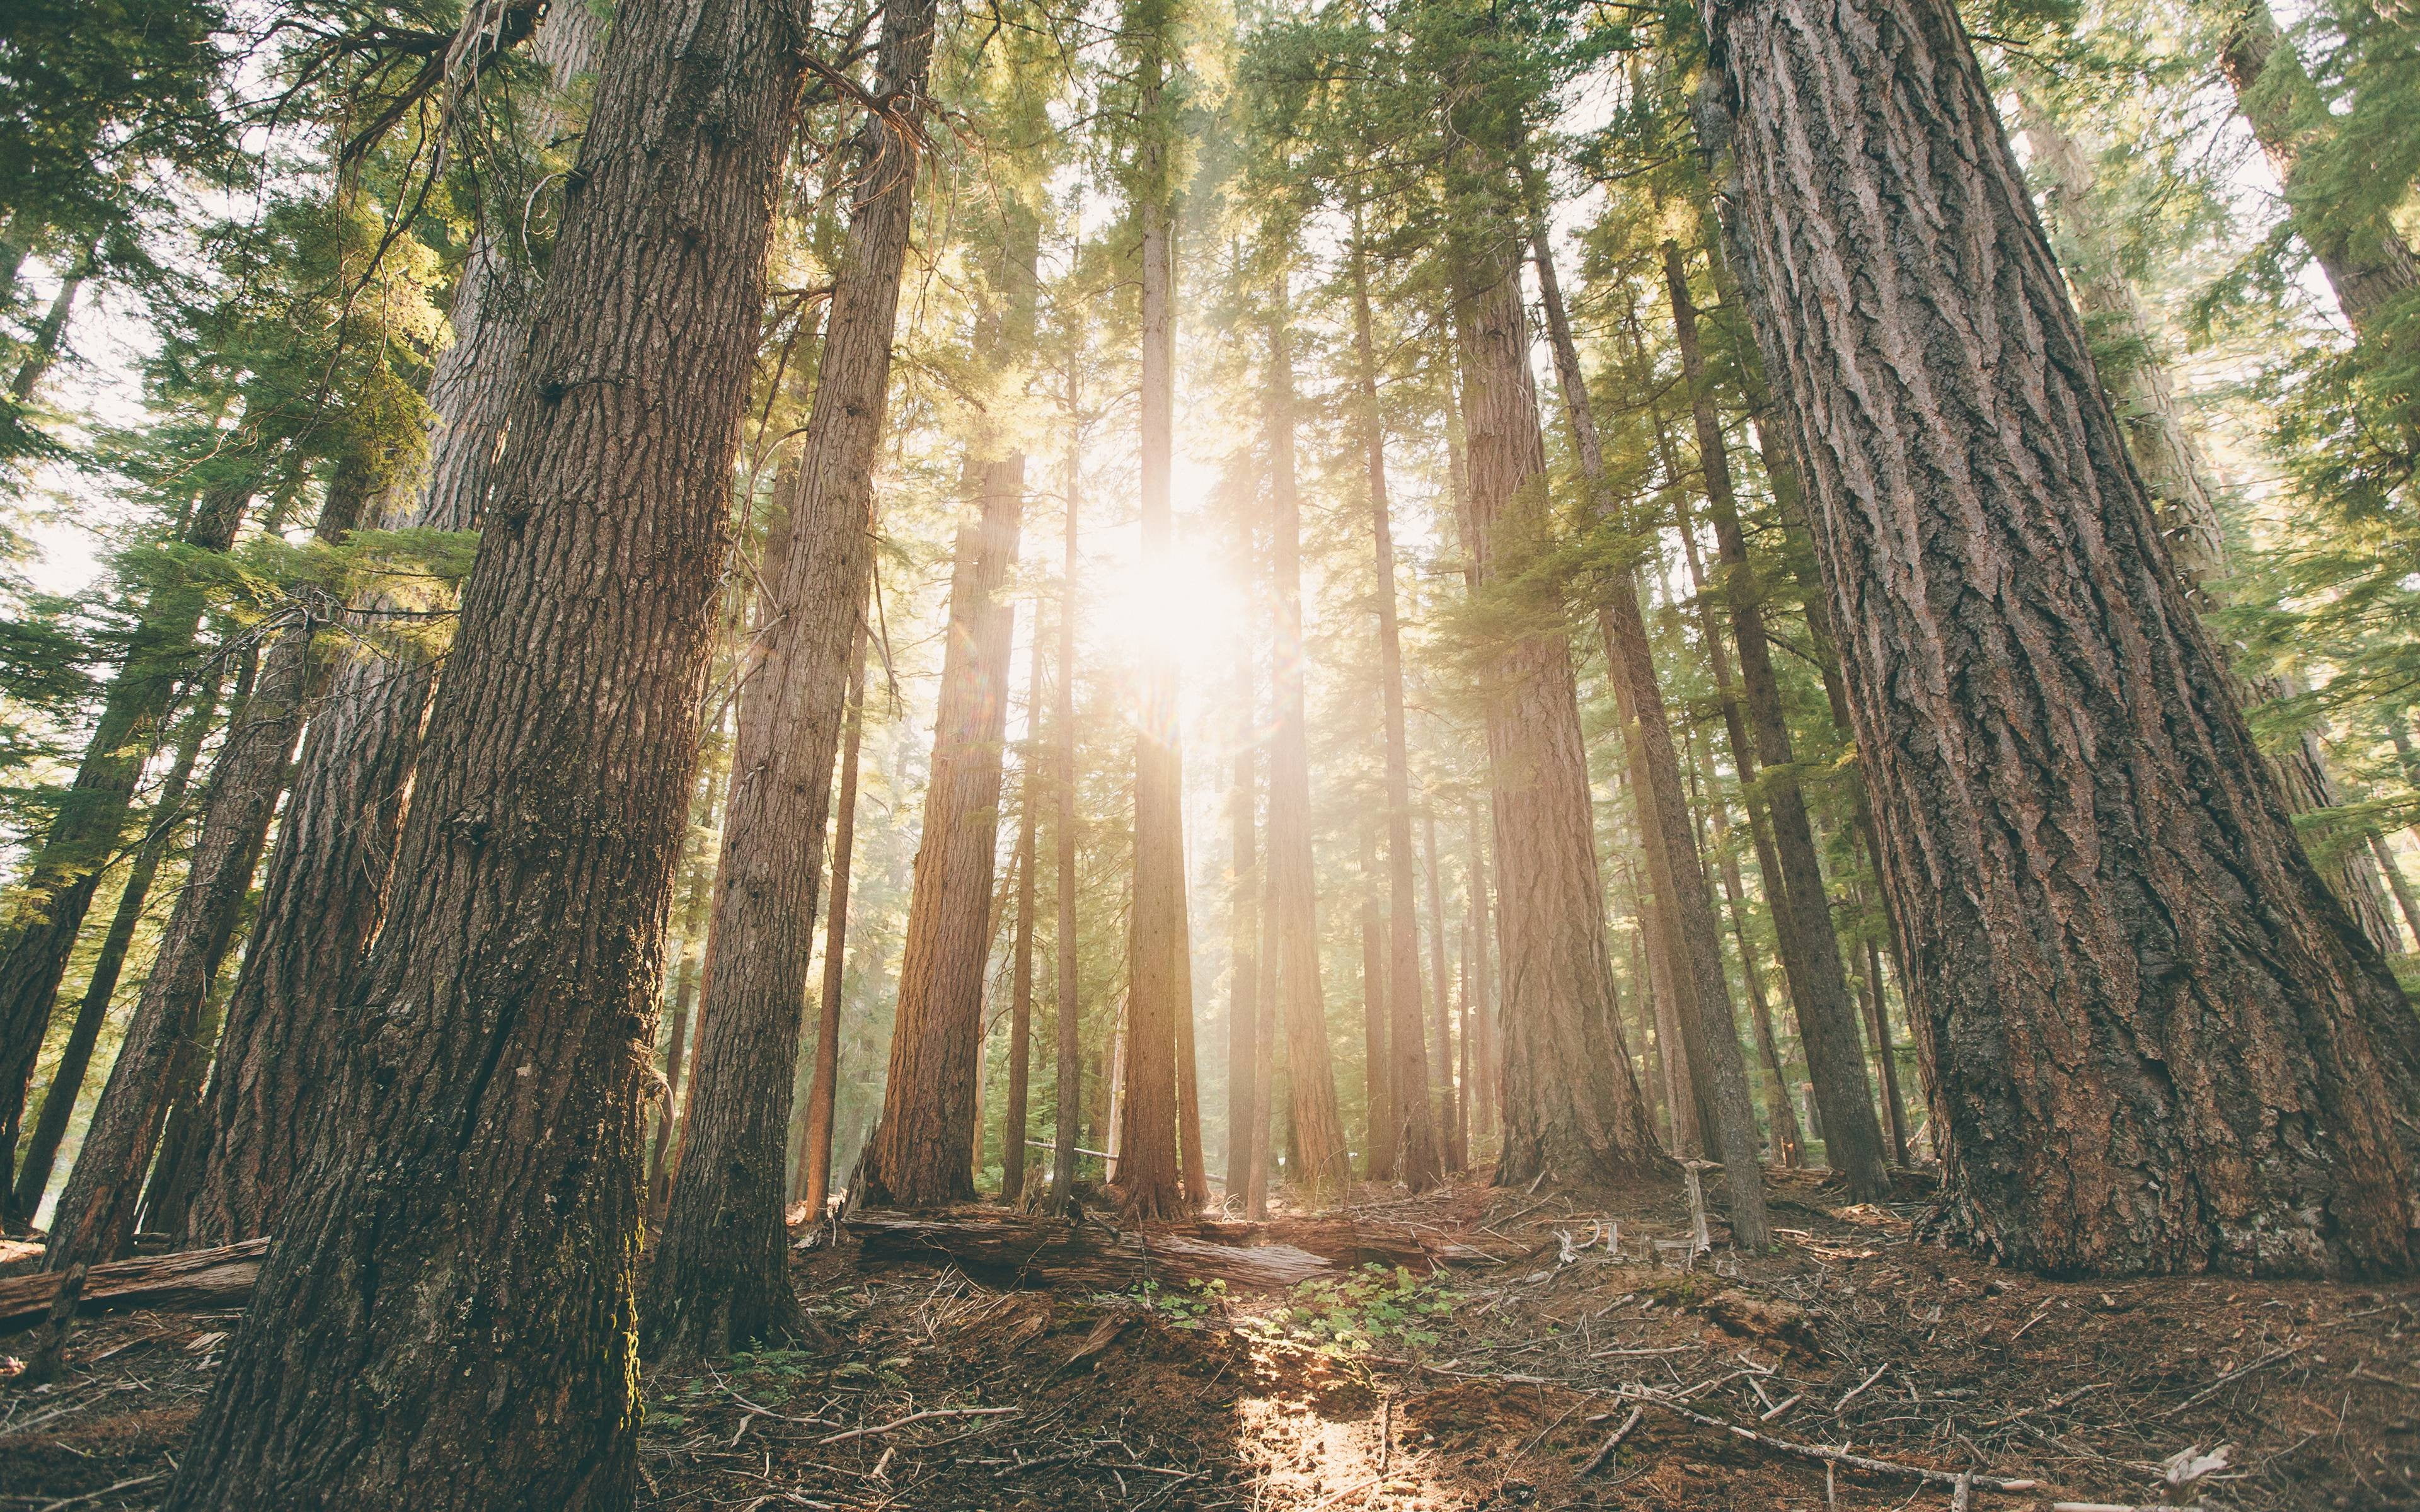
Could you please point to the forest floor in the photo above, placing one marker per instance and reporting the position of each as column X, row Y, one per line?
column 1492, row 1385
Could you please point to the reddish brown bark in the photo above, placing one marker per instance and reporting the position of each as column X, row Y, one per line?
column 2155, row 1041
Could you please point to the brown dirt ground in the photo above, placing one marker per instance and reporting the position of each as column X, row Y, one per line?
column 1125, row 1402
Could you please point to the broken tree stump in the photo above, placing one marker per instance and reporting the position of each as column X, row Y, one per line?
column 195, row 1279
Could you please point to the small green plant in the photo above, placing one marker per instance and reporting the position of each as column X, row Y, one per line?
column 1185, row 1309
column 1355, row 1313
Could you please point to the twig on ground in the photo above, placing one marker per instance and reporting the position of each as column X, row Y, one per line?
column 2212, row 1389
column 1859, row 1390
column 1837, row 1456
column 1613, row 1440
column 919, row 1417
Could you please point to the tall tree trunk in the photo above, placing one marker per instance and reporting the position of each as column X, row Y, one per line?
column 719, row 1278
column 1192, row 1164
column 1454, row 1141
column 1412, row 1143
column 2155, row 1041
column 1020, row 1020
column 167, row 818
column 1068, row 1065
column 1570, row 1106
column 1781, row 1114
column 1490, row 1057
column 2367, row 263
column 664, row 1151
column 50, row 334
column 1264, row 1067
column 1147, row 1165
column 1870, row 988
column 823, row 1084
column 1247, row 1128
column 94, row 1218
column 1701, row 999
column 326, row 888
column 1379, row 1156
column 479, row 1162
column 1802, row 913
column 1310, row 1078
column 49, row 898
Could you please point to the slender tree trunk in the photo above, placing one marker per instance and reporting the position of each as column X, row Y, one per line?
column 1455, row 1146
column 1802, row 914
column 1020, row 1020
column 663, row 1153
column 481, row 1157
column 1411, row 1144
column 50, row 334
column 1570, row 1105
column 2156, row 1044
column 1147, row 1166
column 1069, row 1066
column 76, row 1057
column 1264, row 1067
column 1247, row 1128
column 823, row 1085
column 1869, row 990
column 1700, row 992
column 1192, row 1162
column 49, row 900
column 719, row 1278
column 2404, row 901
column 1490, row 1057
column 1310, row 1079
column 327, row 882
column 1780, row 1115
column 95, row 1219
column 1377, row 1161
column 2366, row 259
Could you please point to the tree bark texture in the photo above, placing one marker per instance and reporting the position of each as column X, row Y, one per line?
column 1570, row 1105
column 719, row 1280
column 1324, row 1172
column 329, row 874
column 49, row 900
column 94, row 1218
column 2155, row 1041
column 445, row 1319
column 1802, row 912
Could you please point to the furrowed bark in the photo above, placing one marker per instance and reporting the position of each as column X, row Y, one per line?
column 719, row 1280
column 445, row 1321
column 2156, row 1043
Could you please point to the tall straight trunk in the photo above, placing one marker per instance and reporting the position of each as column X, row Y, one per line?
column 1570, row 1106
column 1378, row 1135
column 1802, row 913
column 49, row 334
column 1454, row 1140
column 823, row 1082
column 1701, row 999
column 1652, row 1075
column 1870, row 988
column 1411, row 1146
column 2368, row 263
column 1781, row 1114
column 49, row 900
column 1310, row 1079
column 921, row 1147
column 1068, row 1066
column 481, row 1154
column 327, row 884
column 1147, row 1165
column 1193, row 1165
column 167, row 818
column 1246, row 1126
column 1490, row 1056
column 2155, row 1041
column 1020, row 1016
column 662, row 1151
column 719, row 1280
column 1264, row 1068
column 169, row 1039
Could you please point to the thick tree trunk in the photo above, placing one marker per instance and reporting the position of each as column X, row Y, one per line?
column 1324, row 1172
column 49, row 900
column 1147, row 1166
column 1700, row 995
column 1802, row 913
column 1411, row 1147
column 719, row 1280
column 1067, row 1068
column 327, row 882
column 76, row 1057
column 2367, row 263
column 1020, row 1015
column 1570, row 1106
column 823, row 1082
column 95, row 1219
column 467, row 1225
column 2156, row 1043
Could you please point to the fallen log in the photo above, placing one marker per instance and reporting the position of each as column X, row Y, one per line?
column 1051, row 1252
column 198, row 1278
